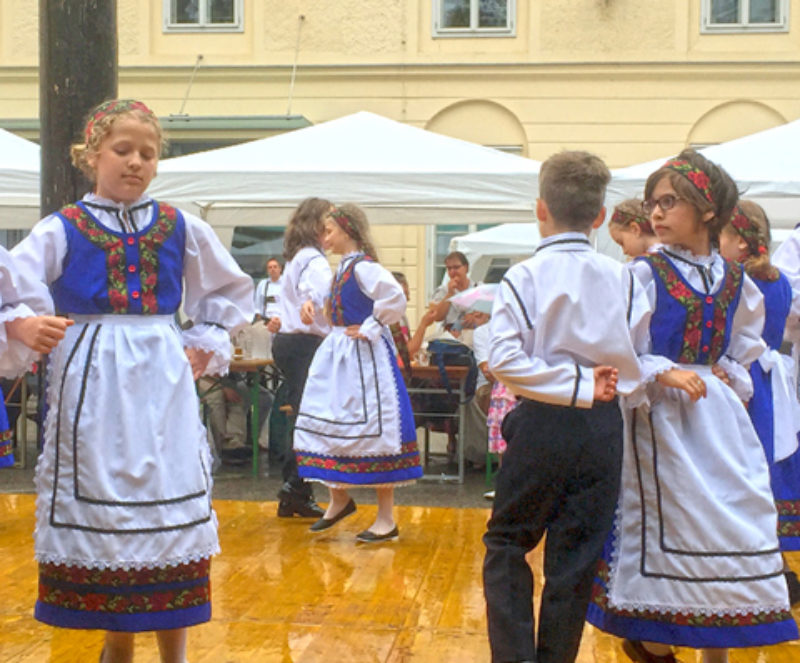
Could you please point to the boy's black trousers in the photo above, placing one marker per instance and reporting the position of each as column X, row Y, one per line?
column 560, row 476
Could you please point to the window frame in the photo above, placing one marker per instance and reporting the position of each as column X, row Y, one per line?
column 707, row 27
column 437, row 31
column 203, row 25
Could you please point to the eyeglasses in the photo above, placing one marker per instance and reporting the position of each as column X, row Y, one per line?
column 666, row 203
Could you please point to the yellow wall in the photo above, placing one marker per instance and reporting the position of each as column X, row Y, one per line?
column 631, row 80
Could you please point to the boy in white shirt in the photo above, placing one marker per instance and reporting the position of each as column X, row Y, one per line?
column 560, row 341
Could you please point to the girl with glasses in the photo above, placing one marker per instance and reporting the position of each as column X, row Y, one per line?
column 693, row 559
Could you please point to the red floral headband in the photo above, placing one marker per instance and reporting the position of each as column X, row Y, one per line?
column 624, row 218
column 748, row 231
column 696, row 176
column 114, row 107
column 345, row 223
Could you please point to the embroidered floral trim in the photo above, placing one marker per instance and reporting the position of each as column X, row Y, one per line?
column 107, row 590
column 408, row 457
column 788, row 528
column 337, row 307
column 684, row 618
column 696, row 176
column 6, row 446
column 692, row 302
column 114, row 248
column 149, row 245
column 788, row 507
column 624, row 219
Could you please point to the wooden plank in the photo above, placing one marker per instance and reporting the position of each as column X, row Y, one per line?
column 282, row 594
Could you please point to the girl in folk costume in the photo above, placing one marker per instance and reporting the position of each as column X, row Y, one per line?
column 23, row 334
column 773, row 409
column 630, row 227
column 693, row 559
column 124, row 525
column 355, row 426
column 300, row 325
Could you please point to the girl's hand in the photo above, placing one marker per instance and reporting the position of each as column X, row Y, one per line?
column 721, row 373
column 40, row 333
column 198, row 359
column 274, row 324
column 689, row 381
column 354, row 331
column 307, row 311
column 605, row 382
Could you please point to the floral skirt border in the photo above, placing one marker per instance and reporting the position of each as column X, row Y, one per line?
column 124, row 600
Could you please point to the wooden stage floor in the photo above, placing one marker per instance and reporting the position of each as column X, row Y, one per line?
column 283, row 595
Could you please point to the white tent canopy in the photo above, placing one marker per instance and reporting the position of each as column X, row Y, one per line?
column 515, row 241
column 19, row 181
column 764, row 165
column 397, row 173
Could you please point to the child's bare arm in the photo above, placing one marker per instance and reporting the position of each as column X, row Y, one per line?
column 40, row 332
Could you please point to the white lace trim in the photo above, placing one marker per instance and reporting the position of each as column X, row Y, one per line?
column 686, row 254
column 196, row 556
column 698, row 610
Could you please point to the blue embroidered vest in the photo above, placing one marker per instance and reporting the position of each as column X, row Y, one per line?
column 349, row 306
column 690, row 327
column 106, row 271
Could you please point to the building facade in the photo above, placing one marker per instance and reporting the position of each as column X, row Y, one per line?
column 630, row 80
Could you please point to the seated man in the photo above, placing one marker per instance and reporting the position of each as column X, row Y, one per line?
column 226, row 401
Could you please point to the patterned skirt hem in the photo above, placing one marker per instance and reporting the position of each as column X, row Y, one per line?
column 687, row 635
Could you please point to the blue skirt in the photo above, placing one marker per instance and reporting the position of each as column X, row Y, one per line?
column 6, row 436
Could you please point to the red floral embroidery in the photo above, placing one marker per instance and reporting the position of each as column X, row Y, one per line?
column 407, row 458
column 696, row 176
column 600, row 598
column 788, row 507
column 693, row 303
column 114, row 248
column 6, row 446
column 96, row 590
column 788, row 528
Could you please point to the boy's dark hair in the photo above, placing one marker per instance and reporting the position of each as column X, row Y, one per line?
column 573, row 185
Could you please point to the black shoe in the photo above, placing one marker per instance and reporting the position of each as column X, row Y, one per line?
column 794, row 586
column 637, row 652
column 324, row 523
column 368, row 536
column 307, row 508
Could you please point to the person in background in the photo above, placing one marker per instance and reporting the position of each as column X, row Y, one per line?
column 630, row 228
column 306, row 285
column 268, row 291
column 773, row 408
column 457, row 267
column 355, row 426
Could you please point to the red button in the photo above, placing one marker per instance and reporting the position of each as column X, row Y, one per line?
column 135, row 295
column 132, row 268
column 708, row 324
column 705, row 347
column 130, row 241
column 709, row 300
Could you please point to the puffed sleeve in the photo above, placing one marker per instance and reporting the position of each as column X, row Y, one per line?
column 218, row 294
column 383, row 289
column 746, row 344
column 25, row 273
column 315, row 281
column 524, row 374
